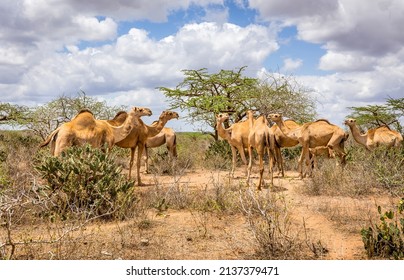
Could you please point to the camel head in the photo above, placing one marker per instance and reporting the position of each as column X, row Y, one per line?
column 275, row 117
column 350, row 122
column 168, row 115
column 142, row 111
column 222, row 117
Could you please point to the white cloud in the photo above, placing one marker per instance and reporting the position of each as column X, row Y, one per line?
column 136, row 62
column 364, row 48
column 290, row 65
column 41, row 55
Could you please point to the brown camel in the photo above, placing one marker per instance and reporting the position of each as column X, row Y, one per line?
column 166, row 136
column 260, row 139
column 138, row 136
column 381, row 136
column 84, row 128
column 314, row 134
column 236, row 135
column 281, row 141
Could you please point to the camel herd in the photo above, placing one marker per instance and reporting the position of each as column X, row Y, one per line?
column 316, row 138
column 127, row 130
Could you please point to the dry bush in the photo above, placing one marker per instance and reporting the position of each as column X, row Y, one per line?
column 270, row 222
column 366, row 172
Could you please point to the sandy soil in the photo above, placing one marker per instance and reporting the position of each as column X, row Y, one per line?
column 229, row 237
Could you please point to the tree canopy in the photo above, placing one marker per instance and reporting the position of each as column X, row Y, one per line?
column 204, row 95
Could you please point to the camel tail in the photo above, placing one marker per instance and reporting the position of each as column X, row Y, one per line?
column 49, row 138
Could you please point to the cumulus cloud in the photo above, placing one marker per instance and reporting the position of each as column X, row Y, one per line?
column 290, row 65
column 363, row 43
column 135, row 61
column 54, row 47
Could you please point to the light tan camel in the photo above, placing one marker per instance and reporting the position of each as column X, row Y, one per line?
column 84, row 128
column 281, row 141
column 236, row 135
column 381, row 136
column 260, row 139
column 314, row 134
column 166, row 136
column 138, row 137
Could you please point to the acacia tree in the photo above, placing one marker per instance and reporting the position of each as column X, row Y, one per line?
column 204, row 95
column 12, row 114
column 388, row 114
column 283, row 94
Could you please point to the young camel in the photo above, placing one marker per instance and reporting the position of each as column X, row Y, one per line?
column 381, row 136
column 166, row 136
column 320, row 151
column 138, row 136
column 84, row 128
column 281, row 141
column 236, row 135
column 261, row 139
column 314, row 134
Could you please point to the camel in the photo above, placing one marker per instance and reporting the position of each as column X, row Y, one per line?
column 314, row 134
column 138, row 136
column 84, row 128
column 320, row 151
column 261, row 139
column 166, row 136
column 281, row 141
column 236, row 135
column 381, row 136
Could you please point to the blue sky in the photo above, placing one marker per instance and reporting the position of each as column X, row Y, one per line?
column 350, row 53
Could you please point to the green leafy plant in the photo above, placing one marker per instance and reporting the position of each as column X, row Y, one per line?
column 386, row 239
column 87, row 181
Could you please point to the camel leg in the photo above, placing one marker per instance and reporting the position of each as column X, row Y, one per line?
column 271, row 155
column 261, row 164
column 140, row 148
column 234, row 159
column 249, row 164
column 300, row 164
column 146, row 160
column 279, row 161
column 242, row 155
column 336, row 144
column 304, row 157
column 132, row 155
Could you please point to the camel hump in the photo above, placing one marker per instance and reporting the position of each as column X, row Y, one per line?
column 323, row 120
column 120, row 117
column 85, row 110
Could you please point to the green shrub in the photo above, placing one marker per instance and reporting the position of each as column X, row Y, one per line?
column 219, row 154
column 386, row 239
column 84, row 180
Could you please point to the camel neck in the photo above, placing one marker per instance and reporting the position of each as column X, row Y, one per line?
column 155, row 129
column 222, row 132
column 291, row 133
column 360, row 138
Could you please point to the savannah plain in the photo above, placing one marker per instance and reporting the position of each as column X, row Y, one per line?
column 193, row 209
